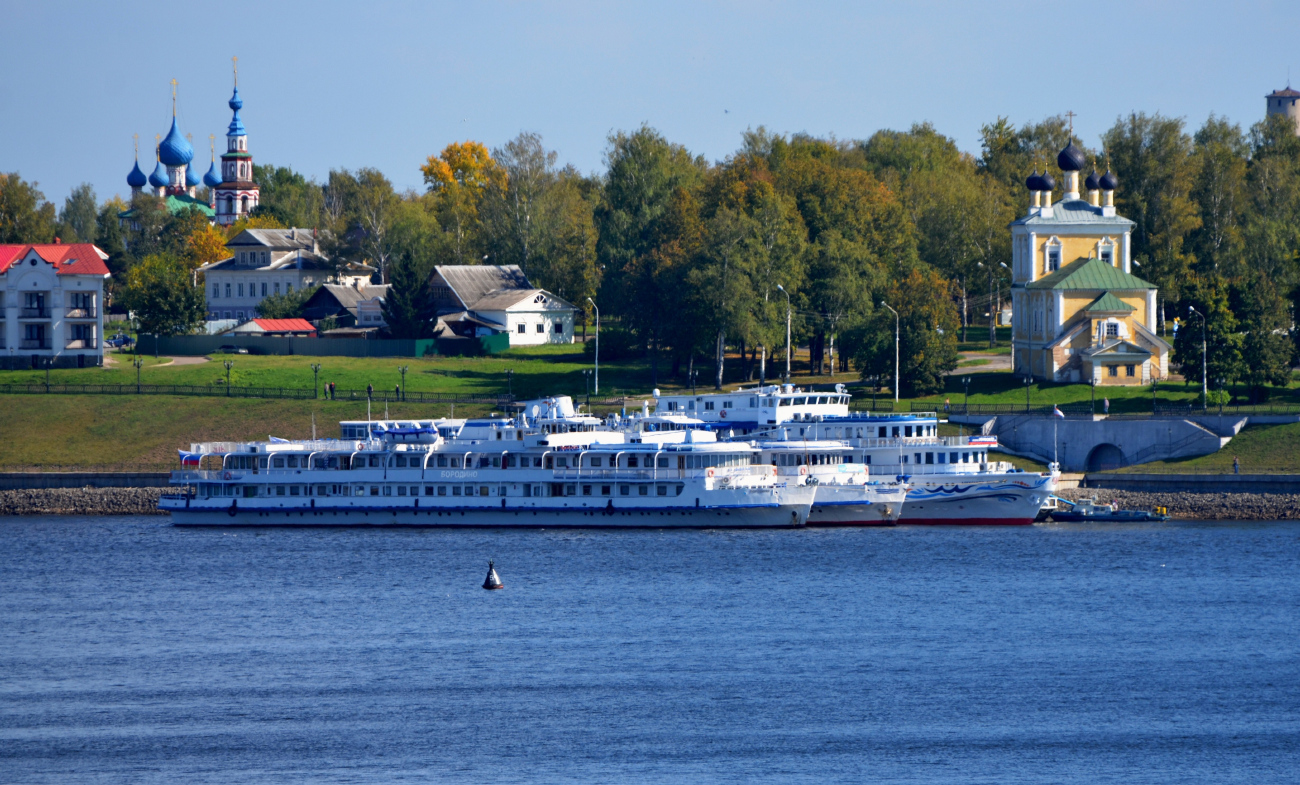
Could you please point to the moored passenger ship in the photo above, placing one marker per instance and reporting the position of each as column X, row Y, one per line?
column 494, row 472
column 952, row 479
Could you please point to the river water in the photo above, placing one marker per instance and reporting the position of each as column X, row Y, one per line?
column 131, row 651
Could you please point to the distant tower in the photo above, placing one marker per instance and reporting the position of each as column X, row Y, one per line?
column 1284, row 102
column 238, row 194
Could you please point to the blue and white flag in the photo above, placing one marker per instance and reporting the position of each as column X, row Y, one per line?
column 277, row 440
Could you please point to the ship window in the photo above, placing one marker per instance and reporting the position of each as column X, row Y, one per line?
column 595, row 461
column 277, row 463
column 401, row 490
column 586, row 490
column 632, row 459
column 455, row 490
column 783, row 401
column 570, row 490
column 708, row 406
column 469, row 490
column 941, row 458
column 866, row 458
column 624, row 490
column 918, row 457
column 663, row 461
column 496, row 459
column 679, row 490
column 455, row 463
column 279, row 490
column 643, row 490
column 663, row 490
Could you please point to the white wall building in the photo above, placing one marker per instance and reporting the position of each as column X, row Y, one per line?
column 531, row 316
column 52, row 305
column 267, row 262
column 477, row 300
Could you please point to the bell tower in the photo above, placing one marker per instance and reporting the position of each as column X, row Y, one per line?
column 238, row 193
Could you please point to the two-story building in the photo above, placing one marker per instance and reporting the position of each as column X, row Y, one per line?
column 52, row 305
column 265, row 262
column 1078, row 312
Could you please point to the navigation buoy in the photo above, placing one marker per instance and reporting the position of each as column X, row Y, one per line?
column 493, row 580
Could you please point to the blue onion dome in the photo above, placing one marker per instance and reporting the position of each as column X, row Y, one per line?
column 192, row 178
column 236, row 125
column 1048, row 182
column 1033, row 182
column 159, row 177
column 1108, row 181
column 175, row 149
column 1070, row 159
column 212, row 179
column 1093, row 183
column 136, row 178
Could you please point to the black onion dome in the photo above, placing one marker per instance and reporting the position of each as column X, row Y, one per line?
column 1070, row 159
column 1108, row 181
column 1033, row 182
column 1093, row 183
column 1048, row 181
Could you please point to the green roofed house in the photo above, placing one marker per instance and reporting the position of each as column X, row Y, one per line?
column 1078, row 312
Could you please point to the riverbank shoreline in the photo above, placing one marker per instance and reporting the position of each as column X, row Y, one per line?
column 1182, row 506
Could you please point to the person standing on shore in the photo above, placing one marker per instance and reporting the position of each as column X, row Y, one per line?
column 1236, row 465
column 1105, row 405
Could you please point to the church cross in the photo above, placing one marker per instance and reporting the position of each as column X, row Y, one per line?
column 173, row 98
column 1071, row 115
column 235, row 63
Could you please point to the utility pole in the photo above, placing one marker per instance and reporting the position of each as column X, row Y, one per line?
column 1205, row 382
column 884, row 304
column 137, row 362
column 787, row 334
column 315, row 380
column 593, row 305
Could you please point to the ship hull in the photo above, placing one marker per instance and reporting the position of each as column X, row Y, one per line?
column 728, row 516
column 852, row 505
column 977, row 500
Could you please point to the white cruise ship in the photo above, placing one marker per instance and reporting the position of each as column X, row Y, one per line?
column 952, row 478
column 486, row 472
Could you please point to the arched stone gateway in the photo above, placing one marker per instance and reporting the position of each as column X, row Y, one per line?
column 1105, row 457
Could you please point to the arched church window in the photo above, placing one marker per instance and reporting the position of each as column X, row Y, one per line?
column 243, row 205
column 1106, row 251
column 1053, row 261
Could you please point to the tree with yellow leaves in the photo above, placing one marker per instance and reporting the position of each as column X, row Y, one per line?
column 205, row 246
column 458, row 177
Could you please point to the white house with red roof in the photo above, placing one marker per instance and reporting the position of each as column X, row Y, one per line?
column 52, row 305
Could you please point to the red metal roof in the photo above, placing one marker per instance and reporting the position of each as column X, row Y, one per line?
column 285, row 325
column 67, row 258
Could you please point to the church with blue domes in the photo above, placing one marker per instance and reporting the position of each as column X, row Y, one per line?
column 175, row 178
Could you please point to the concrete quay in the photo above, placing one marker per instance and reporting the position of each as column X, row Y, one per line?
column 1101, row 442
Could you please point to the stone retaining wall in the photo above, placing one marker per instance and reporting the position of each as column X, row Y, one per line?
column 80, row 501
column 1201, row 506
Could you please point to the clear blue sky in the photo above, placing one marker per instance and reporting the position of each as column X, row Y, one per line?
column 350, row 84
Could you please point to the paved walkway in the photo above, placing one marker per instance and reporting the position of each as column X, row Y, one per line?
column 996, row 362
column 110, row 360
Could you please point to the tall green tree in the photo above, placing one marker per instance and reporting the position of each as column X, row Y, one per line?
column 1265, row 322
column 1152, row 156
column 289, row 197
column 927, row 337
column 78, row 218
column 288, row 305
column 25, row 216
column 1219, row 191
column 1215, row 329
column 160, row 292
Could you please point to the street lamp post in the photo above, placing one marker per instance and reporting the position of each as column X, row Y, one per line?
column 1205, row 386
column 1092, row 381
column 229, row 364
column 315, row 380
column 137, row 362
column 402, row 369
column 586, row 378
column 694, row 373
column 1028, row 379
column 510, row 383
column 965, row 405
column 593, row 305
column 787, row 332
column 884, row 304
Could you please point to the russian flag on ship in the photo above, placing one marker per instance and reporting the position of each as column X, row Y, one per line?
column 983, row 441
column 189, row 458
column 1057, row 412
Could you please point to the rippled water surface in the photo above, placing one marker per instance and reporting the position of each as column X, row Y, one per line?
column 131, row 651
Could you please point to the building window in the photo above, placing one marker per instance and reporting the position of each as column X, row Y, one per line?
column 1112, row 330
column 277, row 287
column 519, row 329
column 1106, row 252
column 541, row 328
column 559, row 328
column 216, row 290
column 239, row 314
column 1129, row 370
column 288, row 287
column 227, row 290
column 1053, row 258
column 1112, row 370
column 241, row 290
column 264, row 288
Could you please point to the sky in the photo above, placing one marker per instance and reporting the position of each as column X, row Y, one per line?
column 331, row 85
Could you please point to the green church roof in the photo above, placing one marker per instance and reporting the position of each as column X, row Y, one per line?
column 1108, row 302
column 176, row 204
column 1090, row 274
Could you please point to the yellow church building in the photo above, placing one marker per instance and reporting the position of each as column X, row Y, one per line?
column 1078, row 312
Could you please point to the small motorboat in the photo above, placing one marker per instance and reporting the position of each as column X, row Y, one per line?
column 1091, row 510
